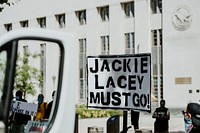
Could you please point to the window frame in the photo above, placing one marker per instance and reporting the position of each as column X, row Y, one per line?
column 8, row 26
column 42, row 22
column 82, row 69
column 61, row 20
column 105, row 45
column 81, row 15
column 104, row 13
column 129, row 9
column 156, row 6
column 130, row 43
column 24, row 23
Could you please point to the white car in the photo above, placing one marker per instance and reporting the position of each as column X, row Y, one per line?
column 62, row 117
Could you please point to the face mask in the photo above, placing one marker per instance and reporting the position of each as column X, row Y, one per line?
column 17, row 97
column 39, row 100
column 188, row 124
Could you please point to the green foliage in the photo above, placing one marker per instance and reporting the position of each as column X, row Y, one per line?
column 7, row 3
column 3, row 2
column 83, row 112
column 26, row 75
column 2, row 73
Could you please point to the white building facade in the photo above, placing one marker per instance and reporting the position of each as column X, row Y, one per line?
column 123, row 27
column 180, row 51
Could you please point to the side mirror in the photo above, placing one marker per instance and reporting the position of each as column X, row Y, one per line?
column 38, row 61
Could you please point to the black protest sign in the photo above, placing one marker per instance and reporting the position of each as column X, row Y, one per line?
column 119, row 82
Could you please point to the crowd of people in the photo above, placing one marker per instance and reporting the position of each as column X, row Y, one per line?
column 161, row 114
column 191, row 117
column 18, row 121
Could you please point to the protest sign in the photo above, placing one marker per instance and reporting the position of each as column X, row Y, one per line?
column 36, row 126
column 24, row 108
column 119, row 82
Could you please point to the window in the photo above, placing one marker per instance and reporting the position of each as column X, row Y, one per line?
column 155, row 35
column 8, row 27
column 157, row 62
column 105, row 45
column 156, row 6
column 24, row 23
column 104, row 13
column 81, row 17
column 61, row 20
column 128, row 9
column 43, row 65
column 25, row 48
column 130, row 43
column 42, row 22
column 154, row 38
column 160, row 5
column 82, row 69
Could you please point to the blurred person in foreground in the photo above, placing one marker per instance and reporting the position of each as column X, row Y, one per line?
column 192, row 118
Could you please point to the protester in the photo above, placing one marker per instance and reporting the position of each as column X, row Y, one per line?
column 135, row 119
column 42, row 107
column 48, row 111
column 187, row 121
column 17, row 120
column 162, row 116
column 192, row 118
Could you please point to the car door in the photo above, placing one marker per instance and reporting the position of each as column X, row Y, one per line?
column 59, row 70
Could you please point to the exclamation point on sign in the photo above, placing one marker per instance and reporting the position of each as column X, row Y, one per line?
column 148, row 101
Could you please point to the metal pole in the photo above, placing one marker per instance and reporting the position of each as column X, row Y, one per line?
column 125, row 121
column 158, row 66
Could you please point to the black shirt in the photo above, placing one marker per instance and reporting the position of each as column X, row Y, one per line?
column 195, row 130
column 161, row 123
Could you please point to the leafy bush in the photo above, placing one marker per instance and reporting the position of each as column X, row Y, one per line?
column 83, row 112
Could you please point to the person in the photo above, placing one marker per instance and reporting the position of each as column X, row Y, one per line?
column 135, row 119
column 162, row 116
column 18, row 120
column 42, row 107
column 192, row 118
column 187, row 121
column 48, row 111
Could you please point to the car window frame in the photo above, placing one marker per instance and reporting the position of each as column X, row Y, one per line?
column 11, row 48
column 68, row 48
